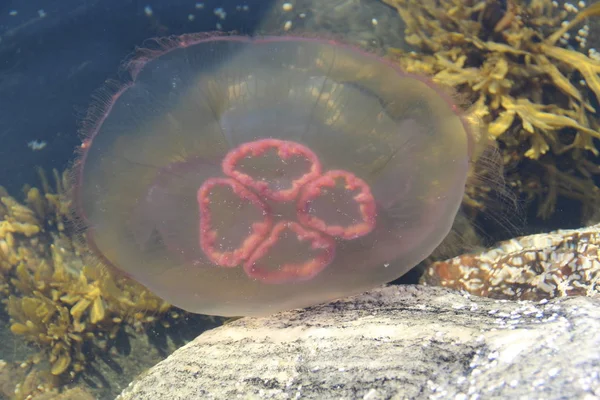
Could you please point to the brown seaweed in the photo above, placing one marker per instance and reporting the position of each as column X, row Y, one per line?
column 534, row 92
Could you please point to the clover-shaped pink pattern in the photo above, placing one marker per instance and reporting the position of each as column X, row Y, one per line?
column 266, row 233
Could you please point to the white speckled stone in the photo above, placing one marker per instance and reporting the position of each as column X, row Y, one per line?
column 395, row 342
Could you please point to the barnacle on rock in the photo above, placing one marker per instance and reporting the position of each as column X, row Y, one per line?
column 534, row 92
column 543, row 266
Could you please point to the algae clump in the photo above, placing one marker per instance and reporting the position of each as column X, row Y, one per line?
column 525, row 78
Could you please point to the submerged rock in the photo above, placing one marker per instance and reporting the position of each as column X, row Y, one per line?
column 543, row 266
column 397, row 341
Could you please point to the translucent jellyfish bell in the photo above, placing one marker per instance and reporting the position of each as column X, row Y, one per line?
column 240, row 176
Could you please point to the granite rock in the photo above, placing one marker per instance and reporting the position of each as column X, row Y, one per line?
column 392, row 343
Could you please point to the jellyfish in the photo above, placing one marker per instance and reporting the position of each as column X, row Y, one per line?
column 242, row 176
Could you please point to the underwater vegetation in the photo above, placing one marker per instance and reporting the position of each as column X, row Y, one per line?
column 59, row 299
column 521, row 65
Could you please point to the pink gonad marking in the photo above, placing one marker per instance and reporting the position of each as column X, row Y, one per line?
column 364, row 199
column 262, row 240
column 324, row 246
column 209, row 236
column 285, row 150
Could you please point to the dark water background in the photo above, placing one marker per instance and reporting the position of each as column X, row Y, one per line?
column 50, row 65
